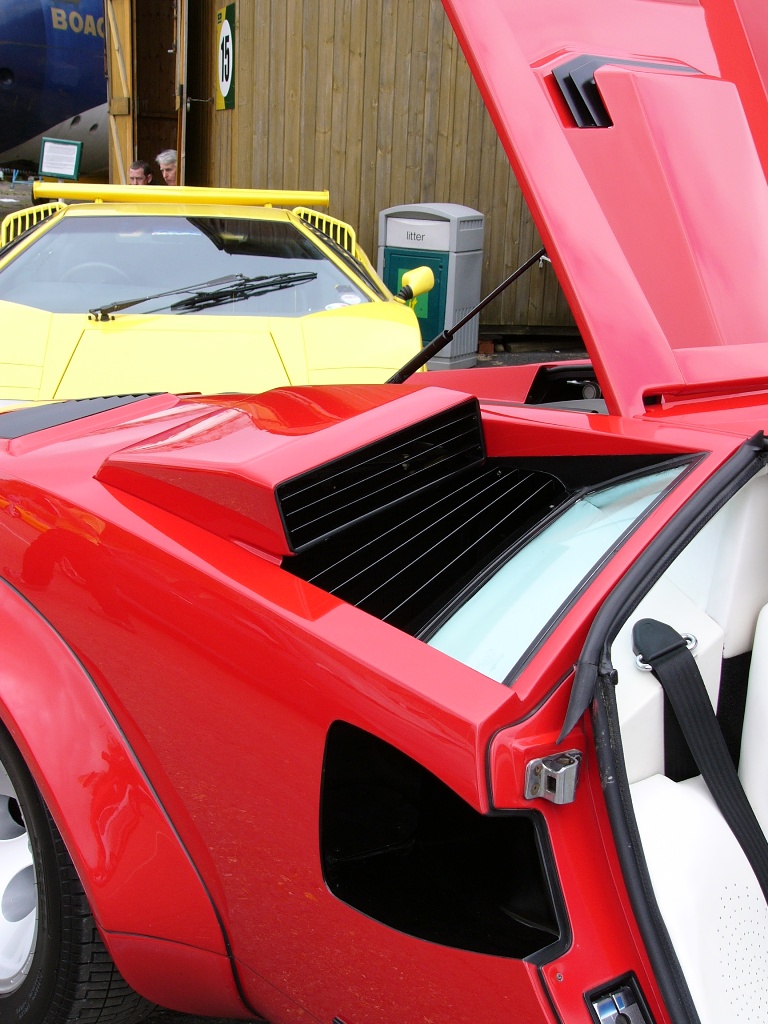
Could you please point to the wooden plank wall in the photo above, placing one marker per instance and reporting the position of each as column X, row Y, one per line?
column 372, row 99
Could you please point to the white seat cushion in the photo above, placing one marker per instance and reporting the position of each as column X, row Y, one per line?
column 709, row 898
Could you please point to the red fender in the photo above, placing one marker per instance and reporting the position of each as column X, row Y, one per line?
column 148, row 898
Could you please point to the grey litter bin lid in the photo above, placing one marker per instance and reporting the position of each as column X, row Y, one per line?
column 446, row 227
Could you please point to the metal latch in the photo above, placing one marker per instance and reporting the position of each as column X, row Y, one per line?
column 553, row 778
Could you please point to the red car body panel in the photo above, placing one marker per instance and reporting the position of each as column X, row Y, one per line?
column 738, row 31
column 224, row 674
column 646, row 218
column 241, row 505
column 145, row 890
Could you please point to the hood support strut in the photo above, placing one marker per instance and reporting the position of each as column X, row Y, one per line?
column 442, row 340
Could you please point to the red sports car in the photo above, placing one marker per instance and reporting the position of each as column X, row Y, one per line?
column 435, row 701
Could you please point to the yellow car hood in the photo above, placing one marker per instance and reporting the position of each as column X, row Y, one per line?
column 44, row 355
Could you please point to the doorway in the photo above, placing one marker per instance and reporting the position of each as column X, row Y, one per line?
column 157, row 113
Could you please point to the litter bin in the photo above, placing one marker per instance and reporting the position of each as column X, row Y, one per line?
column 449, row 239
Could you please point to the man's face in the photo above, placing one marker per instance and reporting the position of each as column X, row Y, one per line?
column 136, row 176
column 168, row 172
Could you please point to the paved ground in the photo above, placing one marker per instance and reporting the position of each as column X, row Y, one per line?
column 167, row 1017
column 14, row 196
column 547, row 351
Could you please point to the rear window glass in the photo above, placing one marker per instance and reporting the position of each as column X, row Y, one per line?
column 495, row 627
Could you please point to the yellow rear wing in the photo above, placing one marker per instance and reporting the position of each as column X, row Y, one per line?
column 16, row 223
column 185, row 194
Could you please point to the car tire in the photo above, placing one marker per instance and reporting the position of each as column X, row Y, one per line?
column 54, row 968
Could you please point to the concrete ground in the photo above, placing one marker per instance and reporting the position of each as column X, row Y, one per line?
column 169, row 1017
column 545, row 350
column 14, row 195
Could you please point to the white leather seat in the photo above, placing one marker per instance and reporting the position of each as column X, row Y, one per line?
column 711, row 902
column 712, row 905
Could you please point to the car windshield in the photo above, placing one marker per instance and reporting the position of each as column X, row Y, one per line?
column 493, row 630
column 83, row 263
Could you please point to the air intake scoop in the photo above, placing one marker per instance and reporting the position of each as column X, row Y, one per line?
column 284, row 470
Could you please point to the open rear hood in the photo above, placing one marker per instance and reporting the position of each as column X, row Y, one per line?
column 638, row 130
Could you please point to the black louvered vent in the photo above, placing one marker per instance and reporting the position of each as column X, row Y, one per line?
column 576, row 79
column 405, row 565
column 374, row 479
column 28, row 419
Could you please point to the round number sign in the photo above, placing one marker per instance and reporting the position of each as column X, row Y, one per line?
column 225, row 57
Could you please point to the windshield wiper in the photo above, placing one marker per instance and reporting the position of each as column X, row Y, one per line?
column 243, row 288
column 103, row 312
column 231, row 288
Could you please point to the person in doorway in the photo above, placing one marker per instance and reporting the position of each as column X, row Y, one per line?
column 139, row 173
column 167, row 161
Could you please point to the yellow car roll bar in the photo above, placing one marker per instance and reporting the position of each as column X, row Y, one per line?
column 338, row 230
column 18, row 222
column 191, row 194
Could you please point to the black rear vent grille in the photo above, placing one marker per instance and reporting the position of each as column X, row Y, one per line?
column 406, row 566
column 374, row 479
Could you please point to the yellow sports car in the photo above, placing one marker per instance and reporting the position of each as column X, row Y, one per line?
column 144, row 289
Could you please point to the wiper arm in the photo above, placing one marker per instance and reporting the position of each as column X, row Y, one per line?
column 243, row 288
column 103, row 312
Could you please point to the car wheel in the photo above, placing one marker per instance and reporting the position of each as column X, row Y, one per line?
column 54, row 968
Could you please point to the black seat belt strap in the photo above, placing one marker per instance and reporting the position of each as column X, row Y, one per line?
column 666, row 652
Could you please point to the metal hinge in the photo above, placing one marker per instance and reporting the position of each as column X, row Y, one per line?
column 553, row 778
